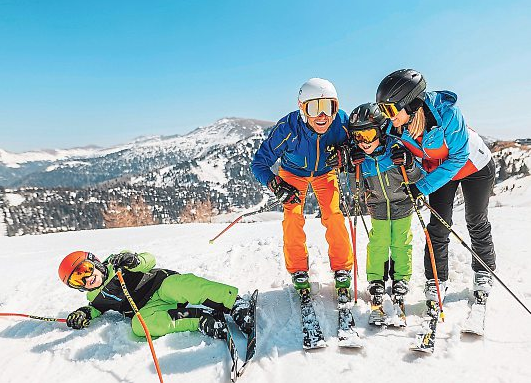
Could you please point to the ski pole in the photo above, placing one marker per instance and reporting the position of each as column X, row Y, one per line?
column 146, row 331
column 46, row 319
column 352, row 234
column 261, row 210
column 474, row 254
column 428, row 239
column 357, row 205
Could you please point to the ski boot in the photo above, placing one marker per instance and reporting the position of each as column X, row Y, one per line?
column 377, row 317
column 482, row 287
column 242, row 315
column 343, row 278
column 300, row 280
column 399, row 291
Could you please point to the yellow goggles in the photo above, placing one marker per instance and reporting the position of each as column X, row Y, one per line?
column 80, row 274
column 388, row 109
column 366, row 136
column 313, row 108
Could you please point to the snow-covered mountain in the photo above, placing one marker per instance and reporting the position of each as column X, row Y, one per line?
column 89, row 166
column 249, row 256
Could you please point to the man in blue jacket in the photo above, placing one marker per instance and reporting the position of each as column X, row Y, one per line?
column 303, row 140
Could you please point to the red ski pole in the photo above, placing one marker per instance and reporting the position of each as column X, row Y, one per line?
column 263, row 209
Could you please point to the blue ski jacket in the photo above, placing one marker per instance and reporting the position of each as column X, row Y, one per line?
column 301, row 151
column 449, row 150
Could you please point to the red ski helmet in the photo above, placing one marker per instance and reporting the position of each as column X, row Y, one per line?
column 77, row 266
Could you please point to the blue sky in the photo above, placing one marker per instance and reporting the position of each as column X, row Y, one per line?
column 74, row 73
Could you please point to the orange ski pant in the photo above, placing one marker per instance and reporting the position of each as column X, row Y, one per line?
column 326, row 190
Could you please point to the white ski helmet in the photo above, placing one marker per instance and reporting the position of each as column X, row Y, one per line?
column 315, row 88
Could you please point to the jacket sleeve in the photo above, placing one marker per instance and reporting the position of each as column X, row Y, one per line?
column 147, row 262
column 456, row 139
column 270, row 151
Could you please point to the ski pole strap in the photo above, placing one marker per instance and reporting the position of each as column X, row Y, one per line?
column 45, row 319
column 146, row 331
column 474, row 254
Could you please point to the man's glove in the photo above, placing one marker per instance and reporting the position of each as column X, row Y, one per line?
column 338, row 157
column 126, row 260
column 357, row 156
column 401, row 156
column 417, row 195
column 284, row 192
column 79, row 319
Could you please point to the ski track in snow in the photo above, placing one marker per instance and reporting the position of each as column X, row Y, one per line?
column 250, row 256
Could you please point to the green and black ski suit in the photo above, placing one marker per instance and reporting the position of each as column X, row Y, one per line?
column 162, row 297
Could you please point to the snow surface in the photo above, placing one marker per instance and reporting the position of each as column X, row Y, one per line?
column 14, row 199
column 249, row 256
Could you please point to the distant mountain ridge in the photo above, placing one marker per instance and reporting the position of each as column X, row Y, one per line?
column 82, row 167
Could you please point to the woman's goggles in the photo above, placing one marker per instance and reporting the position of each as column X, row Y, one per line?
column 313, row 108
column 80, row 274
column 389, row 110
column 366, row 136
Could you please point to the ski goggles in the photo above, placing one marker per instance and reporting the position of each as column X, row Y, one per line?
column 366, row 136
column 389, row 110
column 313, row 108
column 79, row 276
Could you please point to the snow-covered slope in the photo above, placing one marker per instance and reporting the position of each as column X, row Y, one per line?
column 250, row 256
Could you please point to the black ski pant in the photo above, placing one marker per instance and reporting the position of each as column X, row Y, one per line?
column 477, row 189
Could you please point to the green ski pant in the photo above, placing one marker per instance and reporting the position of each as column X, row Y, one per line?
column 394, row 235
column 182, row 288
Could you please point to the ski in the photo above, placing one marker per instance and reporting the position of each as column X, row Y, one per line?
column 425, row 340
column 251, row 338
column 398, row 319
column 233, row 355
column 475, row 322
column 312, row 335
column 346, row 330
column 377, row 316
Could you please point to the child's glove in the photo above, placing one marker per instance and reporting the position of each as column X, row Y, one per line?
column 357, row 156
column 79, row 319
column 338, row 157
column 126, row 260
column 401, row 156
column 284, row 192
column 212, row 325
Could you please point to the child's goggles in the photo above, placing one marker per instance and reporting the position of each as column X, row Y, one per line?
column 366, row 136
column 313, row 108
column 388, row 109
column 80, row 274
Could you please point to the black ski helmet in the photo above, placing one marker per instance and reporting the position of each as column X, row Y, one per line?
column 401, row 88
column 366, row 116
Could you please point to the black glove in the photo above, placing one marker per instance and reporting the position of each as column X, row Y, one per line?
column 126, row 260
column 338, row 157
column 401, row 156
column 417, row 195
column 357, row 156
column 284, row 192
column 212, row 325
column 79, row 319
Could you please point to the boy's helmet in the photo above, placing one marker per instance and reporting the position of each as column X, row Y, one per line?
column 401, row 88
column 73, row 260
column 315, row 88
column 366, row 116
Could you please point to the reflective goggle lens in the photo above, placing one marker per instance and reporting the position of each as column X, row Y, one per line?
column 80, row 273
column 314, row 108
column 389, row 110
column 366, row 136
